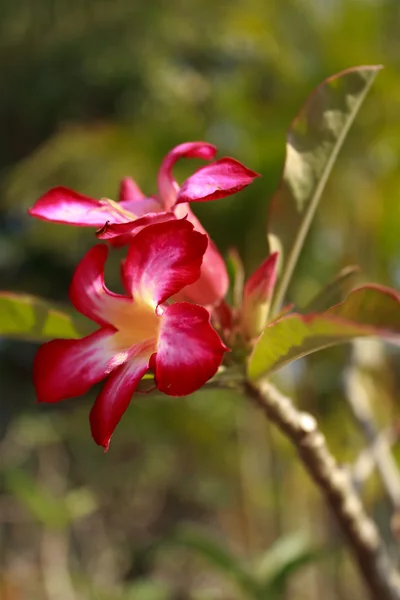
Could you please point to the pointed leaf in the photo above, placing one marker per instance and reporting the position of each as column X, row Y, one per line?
column 29, row 318
column 217, row 555
column 313, row 142
column 333, row 292
column 282, row 560
column 367, row 311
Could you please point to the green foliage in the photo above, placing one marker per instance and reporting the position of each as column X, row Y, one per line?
column 220, row 558
column 28, row 318
column 283, row 559
column 52, row 512
column 366, row 311
column 313, row 143
column 270, row 573
column 333, row 292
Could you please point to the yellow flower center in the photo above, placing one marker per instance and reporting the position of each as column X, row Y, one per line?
column 136, row 323
column 121, row 215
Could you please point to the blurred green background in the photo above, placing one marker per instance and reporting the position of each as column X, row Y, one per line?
column 198, row 498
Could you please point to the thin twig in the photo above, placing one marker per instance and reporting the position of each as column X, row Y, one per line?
column 359, row 403
column 365, row 463
column 335, row 486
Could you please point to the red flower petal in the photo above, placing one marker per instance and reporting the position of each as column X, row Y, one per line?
column 189, row 351
column 115, row 397
column 217, row 180
column 88, row 292
column 68, row 368
column 167, row 185
column 124, row 232
column 62, row 205
column 163, row 259
column 129, row 191
column 133, row 200
column 213, row 283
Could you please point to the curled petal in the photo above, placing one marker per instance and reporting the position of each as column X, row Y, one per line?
column 167, row 185
column 138, row 208
column 62, row 205
column 129, row 191
column 88, row 292
column 124, row 232
column 115, row 397
column 134, row 201
column 163, row 259
column 217, row 180
column 68, row 368
column 189, row 350
column 213, row 282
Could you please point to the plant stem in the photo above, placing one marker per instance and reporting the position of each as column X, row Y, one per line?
column 380, row 578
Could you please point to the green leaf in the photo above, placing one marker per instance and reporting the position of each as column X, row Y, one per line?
column 146, row 589
column 52, row 511
column 286, row 556
column 29, row 318
column 333, row 292
column 39, row 501
column 367, row 311
column 210, row 549
column 313, row 143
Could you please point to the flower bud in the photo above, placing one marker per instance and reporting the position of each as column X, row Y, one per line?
column 257, row 297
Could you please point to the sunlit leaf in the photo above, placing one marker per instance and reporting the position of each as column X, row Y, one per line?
column 29, row 318
column 313, row 143
column 367, row 311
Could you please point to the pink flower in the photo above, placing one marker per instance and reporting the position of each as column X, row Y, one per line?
column 221, row 178
column 137, row 332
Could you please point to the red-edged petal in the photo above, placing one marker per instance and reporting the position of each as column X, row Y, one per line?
column 162, row 259
column 189, row 350
column 68, row 368
column 88, row 292
column 213, row 283
column 257, row 297
column 115, row 397
column 260, row 285
column 217, row 180
column 124, row 232
column 62, row 205
column 167, row 185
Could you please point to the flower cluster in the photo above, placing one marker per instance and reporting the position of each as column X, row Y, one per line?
column 175, row 280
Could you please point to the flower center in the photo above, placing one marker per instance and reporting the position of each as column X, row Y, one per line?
column 120, row 214
column 137, row 323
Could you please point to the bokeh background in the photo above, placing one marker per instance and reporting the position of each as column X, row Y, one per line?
column 198, row 498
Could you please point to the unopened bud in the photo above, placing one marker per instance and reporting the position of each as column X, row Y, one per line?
column 257, row 297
